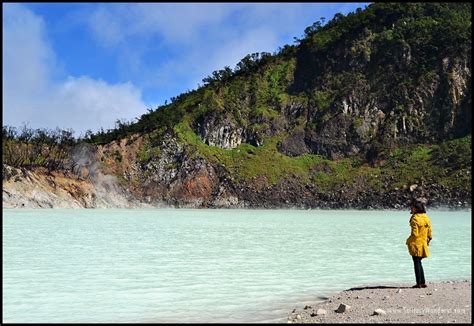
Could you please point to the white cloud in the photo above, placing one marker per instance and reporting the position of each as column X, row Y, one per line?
column 96, row 101
column 26, row 56
column 176, row 23
column 31, row 94
column 106, row 27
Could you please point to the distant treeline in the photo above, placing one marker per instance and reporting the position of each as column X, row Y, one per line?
column 28, row 147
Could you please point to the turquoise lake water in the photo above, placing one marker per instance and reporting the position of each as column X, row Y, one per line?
column 185, row 265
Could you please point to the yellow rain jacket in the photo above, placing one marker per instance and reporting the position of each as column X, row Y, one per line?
column 420, row 235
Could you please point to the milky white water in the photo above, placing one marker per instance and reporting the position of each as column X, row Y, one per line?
column 185, row 265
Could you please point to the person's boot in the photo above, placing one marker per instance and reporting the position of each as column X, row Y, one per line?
column 424, row 285
column 417, row 286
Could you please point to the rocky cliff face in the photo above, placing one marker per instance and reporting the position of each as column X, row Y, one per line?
column 37, row 189
column 180, row 179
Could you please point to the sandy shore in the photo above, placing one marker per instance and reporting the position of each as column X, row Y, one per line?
column 443, row 302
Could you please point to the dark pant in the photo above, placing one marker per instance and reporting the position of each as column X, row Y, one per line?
column 420, row 276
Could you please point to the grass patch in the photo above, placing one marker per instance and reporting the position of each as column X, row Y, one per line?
column 448, row 163
column 247, row 161
column 406, row 165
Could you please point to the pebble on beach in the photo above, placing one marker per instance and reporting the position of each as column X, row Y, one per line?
column 343, row 308
column 379, row 312
column 321, row 312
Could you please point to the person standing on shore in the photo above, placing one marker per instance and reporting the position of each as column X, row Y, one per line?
column 419, row 240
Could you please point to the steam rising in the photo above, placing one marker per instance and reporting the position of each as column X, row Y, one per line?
column 107, row 191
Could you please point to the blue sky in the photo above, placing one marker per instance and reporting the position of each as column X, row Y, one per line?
column 85, row 65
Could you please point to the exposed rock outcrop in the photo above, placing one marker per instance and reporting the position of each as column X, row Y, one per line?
column 37, row 189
